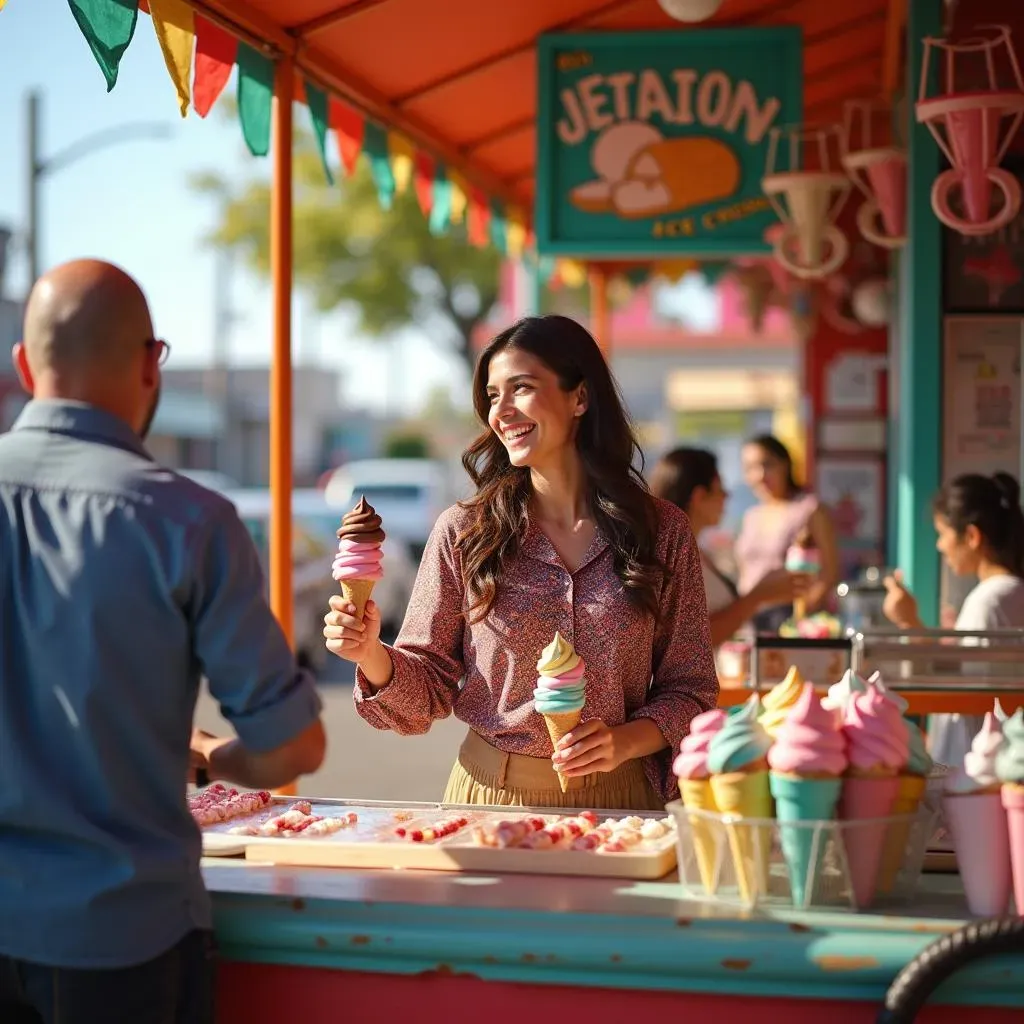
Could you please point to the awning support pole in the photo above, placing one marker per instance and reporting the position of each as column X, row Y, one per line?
column 600, row 321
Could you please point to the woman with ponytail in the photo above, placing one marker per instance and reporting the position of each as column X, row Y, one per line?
column 980, row 532
column 562, row 534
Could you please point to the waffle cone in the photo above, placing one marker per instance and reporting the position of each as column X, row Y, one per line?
column 559, row 726
column 697, row 796
column 908, row 798
column 358, row 592
column 746, row 794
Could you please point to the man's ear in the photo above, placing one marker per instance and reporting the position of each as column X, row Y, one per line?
column 21, row 367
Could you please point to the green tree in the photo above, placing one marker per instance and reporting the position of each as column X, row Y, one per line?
column 348, row 252
column 406, row 446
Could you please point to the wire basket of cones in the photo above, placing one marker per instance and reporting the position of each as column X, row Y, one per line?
column 823, row 864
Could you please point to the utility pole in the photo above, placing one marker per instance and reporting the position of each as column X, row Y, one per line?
column 38, row 167
column 34, row 172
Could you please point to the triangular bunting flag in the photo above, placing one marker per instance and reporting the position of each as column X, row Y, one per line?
column 460, row 197
column 375, row 146
column 108, row 27
column 174, row 24
column 498, row 228
column 424, row 181
column 441, row 209
column 402, row 154
column 478, row 228
column 349, row 129
column 255, row 98
column 316, row 100
column 215, row 57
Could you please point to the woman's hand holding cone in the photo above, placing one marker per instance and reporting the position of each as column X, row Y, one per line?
column 590, row 747
column 346, row 636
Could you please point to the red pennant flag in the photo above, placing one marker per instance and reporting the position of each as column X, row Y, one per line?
column 349, row 127
column 423, row 180
column 478, row 229
column 216, row 51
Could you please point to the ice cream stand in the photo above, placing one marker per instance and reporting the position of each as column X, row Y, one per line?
column 442, row 98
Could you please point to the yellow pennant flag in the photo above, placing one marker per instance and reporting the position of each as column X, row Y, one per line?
column 174, row 23
column 460, row 196
column 2, row 2
column 403, row 156
column 515, row 234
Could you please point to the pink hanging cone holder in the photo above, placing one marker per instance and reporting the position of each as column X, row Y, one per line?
column 969, row 128
column 879, row 172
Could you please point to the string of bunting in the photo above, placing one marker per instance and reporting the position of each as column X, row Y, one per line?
column 200, row 57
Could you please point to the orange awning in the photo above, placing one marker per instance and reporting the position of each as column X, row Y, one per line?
column 458, row 77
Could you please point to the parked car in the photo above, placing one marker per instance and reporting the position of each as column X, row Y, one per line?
column 408, row 494
column 314, row 540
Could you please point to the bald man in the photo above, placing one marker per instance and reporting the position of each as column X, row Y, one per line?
column 121, row 583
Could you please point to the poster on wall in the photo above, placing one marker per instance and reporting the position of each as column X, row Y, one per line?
column 853, row 490
column 981, row 412
column 651, row 143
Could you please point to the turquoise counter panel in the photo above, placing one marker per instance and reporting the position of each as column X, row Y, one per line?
column 582, row 932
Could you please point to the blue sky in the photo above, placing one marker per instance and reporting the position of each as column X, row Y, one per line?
column 131, row 203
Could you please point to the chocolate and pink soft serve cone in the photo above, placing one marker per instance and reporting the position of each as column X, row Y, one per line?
column 359, row 562
column 877, row 748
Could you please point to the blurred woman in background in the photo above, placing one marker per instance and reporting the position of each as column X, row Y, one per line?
column 785, row 513
column 689, row 478
column 980, row 532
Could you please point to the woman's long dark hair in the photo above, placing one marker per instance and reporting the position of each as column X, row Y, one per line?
column 774, row 447
column 991, row 504
column 619, row 500
column 678, row 473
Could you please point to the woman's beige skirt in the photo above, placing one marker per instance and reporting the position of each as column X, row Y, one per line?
column 485, row 775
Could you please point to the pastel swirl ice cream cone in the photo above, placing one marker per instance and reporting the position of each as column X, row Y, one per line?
column 977, row 821
column 877, row 750
column 779, row 700
column 840, row 694
column 1010, row 771
column 739, row 783
column 803, row 556
column 691, row 768
column 358, row 564
column 807, row 762
column 560, row 696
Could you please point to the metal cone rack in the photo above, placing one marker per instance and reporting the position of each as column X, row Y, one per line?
column 969, row 128
column 808, row 201
column 878, row 171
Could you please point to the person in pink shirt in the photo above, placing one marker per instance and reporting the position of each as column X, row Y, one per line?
column 786, row 512
column 561, row 535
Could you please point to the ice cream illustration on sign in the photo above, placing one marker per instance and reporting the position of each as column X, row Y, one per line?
column 641, row 173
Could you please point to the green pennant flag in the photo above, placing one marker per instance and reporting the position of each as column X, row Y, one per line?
column 255, row 98
column 108, row 27
column 441, row 209
column 499, row 228
column 375, row 146
column 316, row 100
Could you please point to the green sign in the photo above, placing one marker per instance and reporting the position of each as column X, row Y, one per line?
column 652, row 144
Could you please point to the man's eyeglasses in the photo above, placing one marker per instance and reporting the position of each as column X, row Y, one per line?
column 163, row 349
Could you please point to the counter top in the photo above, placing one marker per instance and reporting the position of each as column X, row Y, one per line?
column 583, row 931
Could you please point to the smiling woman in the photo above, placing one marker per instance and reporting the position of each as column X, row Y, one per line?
column 561, row 536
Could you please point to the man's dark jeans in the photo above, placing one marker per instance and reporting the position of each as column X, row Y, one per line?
column 174, row 988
